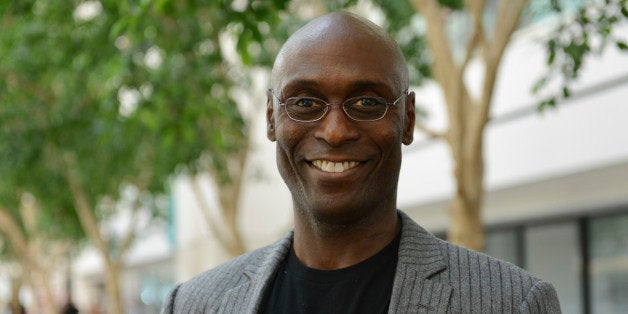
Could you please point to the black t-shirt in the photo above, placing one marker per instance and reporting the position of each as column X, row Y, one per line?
column 362, row 288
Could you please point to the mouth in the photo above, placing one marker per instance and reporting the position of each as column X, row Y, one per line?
column 334, row 167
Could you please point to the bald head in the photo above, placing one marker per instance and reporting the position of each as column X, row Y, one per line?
column 339, row 32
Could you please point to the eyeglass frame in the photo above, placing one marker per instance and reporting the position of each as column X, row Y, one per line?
column 342, row 105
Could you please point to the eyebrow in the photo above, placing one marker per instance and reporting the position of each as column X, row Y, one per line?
column 377, row 85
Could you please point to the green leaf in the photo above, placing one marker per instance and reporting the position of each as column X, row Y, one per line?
column 551, row 47
column 540, row 84
column 119, row 27
column 547, row 103
column 566, row 92
column 621, row 45
column 452, row 4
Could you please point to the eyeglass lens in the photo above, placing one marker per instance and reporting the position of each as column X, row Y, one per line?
column 359, row 108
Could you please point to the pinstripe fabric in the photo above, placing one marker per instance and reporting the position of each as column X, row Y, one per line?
column 432, row 276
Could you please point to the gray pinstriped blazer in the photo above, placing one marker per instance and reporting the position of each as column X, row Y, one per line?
column 432, row 276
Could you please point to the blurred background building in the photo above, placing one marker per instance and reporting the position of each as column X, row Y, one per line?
column 557, row 181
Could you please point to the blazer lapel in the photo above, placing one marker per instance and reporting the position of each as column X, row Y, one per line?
column 420, row 257
column 247, row 296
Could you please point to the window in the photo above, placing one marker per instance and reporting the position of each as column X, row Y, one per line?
column 608, row 246
column 459, row 27
column 553, row 254
column 586, row 258
column 503, row 244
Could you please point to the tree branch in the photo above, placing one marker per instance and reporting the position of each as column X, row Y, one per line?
column 509, row 14
column 28, row 211
column 475, row 9
column 204, row 209
column 507, row 20
column 446, row 74
column 12, row 230
column 437, row 39
column 229, row 196
column 83, row 207
column 130, row 236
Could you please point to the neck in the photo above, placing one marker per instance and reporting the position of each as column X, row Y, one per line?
column 323, row 245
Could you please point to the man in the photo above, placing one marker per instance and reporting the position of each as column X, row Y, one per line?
column 339, row 111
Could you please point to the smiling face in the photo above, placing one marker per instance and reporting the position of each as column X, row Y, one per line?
column 337, row 169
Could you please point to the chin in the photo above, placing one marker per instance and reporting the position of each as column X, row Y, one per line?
column 334, row 213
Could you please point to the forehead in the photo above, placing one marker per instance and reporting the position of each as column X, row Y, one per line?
column 338, row 61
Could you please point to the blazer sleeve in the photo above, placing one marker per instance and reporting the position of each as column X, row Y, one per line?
column 168, row 307
column 541, row 298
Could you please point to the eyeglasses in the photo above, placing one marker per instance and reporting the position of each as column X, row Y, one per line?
column 361, row 108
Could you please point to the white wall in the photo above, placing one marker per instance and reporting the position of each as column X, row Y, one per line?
column 585, row 133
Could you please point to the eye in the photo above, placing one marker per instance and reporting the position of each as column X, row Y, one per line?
column 305, row 108
column 305, row 102
column 368, row 103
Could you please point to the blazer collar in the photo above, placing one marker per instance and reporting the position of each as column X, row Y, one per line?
column 246, row 297
column 420, row 257
column 419, row 247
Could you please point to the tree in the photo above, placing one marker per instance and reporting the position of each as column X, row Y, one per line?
column 491, row 26
column 63, row 139
column 105, row 101
column 32, row 229
column 33, row 248
column 195, row 73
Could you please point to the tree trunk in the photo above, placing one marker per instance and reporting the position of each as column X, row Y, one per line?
column 28, row 255
column 230, row 210
column 230, row 238
column 112, row 286
column 228, row 194
column 49, row 306
column 90, row 225
column 467, row 116
column 466, row 228
column 16, row 285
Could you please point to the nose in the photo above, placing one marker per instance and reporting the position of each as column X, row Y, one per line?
column 336, row 128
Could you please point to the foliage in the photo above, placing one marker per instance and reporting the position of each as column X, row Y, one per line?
column 401, row 23
column 105, row 97
column 66, row 75
column 30, row 54
column 452, row 4
column 189, row 101
column 190, row 96
column 588, row 31
column 577, row 35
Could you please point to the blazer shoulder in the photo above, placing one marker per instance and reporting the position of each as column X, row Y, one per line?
column 205, row 290
column 480, row 281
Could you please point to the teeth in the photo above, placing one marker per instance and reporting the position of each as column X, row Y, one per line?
column 330, row 166
column 339, row 167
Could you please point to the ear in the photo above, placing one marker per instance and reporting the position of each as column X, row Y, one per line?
column 270, row 117
column 409, row 117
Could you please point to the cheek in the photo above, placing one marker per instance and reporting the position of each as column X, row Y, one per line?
column 288, row 140
column 388, row 137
